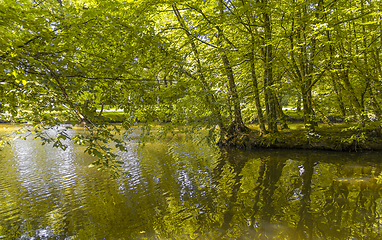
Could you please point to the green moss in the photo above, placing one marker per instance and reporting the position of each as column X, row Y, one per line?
column 338, row 137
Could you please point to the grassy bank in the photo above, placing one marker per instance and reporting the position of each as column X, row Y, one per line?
column 336, row 137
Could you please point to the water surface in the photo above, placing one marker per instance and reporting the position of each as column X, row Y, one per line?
column 184, row 190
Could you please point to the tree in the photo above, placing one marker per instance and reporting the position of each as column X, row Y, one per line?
column 196, row 64
column 70, row 58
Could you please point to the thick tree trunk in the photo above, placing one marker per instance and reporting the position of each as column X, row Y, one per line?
column 281, row 115
column 238, row 121
column 236, row 129
column 270, row 98
column 308, row 111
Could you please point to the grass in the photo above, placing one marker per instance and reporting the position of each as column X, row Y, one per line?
column 338, row 137
column 114, row 116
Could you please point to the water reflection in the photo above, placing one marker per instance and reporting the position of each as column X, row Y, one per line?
column 182, row 190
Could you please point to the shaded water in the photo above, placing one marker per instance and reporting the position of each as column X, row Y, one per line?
column 184, row 190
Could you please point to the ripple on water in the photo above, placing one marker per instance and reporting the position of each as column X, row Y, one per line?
column 46, row 193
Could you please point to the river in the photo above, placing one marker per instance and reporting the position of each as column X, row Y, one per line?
column 179, row 189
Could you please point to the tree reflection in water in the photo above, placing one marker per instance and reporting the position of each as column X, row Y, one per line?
column 273, row 197
column 182, row 190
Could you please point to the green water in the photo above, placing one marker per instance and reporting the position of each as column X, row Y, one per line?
column 184, row 190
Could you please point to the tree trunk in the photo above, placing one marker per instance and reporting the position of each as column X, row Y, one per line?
column 375, row 104
column 210, row 98
column 270, row 98
column 238, row 121
column 237, row 126
column 298, row 103
column 340, row 101
column 352, row 95
column 260, row 117
column 281, row 115
column 308, row 111
column 337, row 89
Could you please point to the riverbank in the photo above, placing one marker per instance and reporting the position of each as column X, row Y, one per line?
column 109, row 116
column 338, row 137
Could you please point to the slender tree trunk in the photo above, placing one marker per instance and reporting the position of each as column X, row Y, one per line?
column 352, row 95
column 302, row 63
column 307, row 62
column 298, row 103
column 375, row 104
column 259, row 109
column 251, row 31
column 340, row 101
column 210, row 98
column 337, row 90
column 370, row 73
column 302, row 68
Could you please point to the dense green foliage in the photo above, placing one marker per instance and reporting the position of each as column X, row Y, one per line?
column 218, row 64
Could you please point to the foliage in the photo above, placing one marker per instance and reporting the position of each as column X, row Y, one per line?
column 195, row 64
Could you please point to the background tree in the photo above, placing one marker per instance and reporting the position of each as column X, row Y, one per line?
column 197, row 64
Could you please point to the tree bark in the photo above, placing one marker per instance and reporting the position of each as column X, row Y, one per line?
column 270, row 98
column 260, row 116
column 352, row 95
column 237, row 125
column 281, row 115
